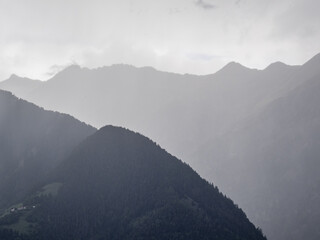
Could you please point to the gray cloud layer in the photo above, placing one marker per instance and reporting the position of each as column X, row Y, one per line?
column 205, row 5
column 175, row 35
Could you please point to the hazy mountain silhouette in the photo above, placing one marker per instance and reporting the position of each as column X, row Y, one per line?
column 19, row 86
column 186, row 109
column 32, row 142
column 209, row 121
column 273, row 157
column 118, row 184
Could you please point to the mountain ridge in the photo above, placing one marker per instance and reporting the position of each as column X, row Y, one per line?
column 229, row 65
column 32, row 142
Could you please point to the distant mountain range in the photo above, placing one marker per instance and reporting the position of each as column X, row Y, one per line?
column 251, row 132
column 275, row 160
column 20, row 86
column 186, row 109
column 115, row 184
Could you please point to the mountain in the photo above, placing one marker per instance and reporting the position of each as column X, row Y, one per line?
column 212, row 122
column 275, row 155
column 32, row 142
column 20, row 86
column 187, row 109
column 118, row 184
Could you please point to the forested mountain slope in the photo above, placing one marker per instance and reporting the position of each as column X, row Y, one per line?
column 32, row 142
column 118, row 184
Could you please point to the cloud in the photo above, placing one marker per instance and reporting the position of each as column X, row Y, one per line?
column 151, row 33
column 54, row 69
column 205, row 5
column 201, row 57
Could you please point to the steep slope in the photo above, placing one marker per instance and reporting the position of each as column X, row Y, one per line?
column 32, row 141
column 21, row 87
column 273, row 157
column 118, row 184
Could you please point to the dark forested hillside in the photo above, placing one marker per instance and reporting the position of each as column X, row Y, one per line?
column 32, row 142
column 118, row 184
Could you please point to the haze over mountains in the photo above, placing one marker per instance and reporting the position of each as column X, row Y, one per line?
column 140, row 98
column 115, row 184
column 278, row 149
column 20, row 86
column 32, row 142
column 254, row 133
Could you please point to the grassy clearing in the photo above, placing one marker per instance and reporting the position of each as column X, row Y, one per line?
column 50, row 189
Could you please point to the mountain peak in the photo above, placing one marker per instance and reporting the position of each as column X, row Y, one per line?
column 73, row 67
column 13, row 76
column 233, row 65
column 20, row 86
column 314, row 60
column 69, row 70
column 16, row 78
column 233, row 68
column 276, row 66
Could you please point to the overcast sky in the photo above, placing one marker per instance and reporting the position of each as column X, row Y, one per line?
column 40, row 37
